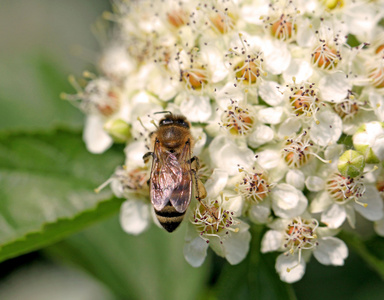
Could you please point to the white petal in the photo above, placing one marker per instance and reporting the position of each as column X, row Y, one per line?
column 326, row 231
column 378, row 147
column 252, row 13
column 320, row 203
column 334, row 87
column 233, row 203
column 368, row 136
column 236, row 246
column 259, row 213
column 334, row 216
column 333, row 152
column 116, row 62
column 261, row 135
column 289, row 126
column 200, row 139
column 314, row 183
column 269, row 92
column 277, row 56
column 361, row 20
column 271, row 115
column 298, row 68
column 95, row 138
column 331, row 251
column 279, row 224
column 134, row 153
column 295, row 178
column 196, row 108
column 162, row 86
column 284, row 262
column 226, row 93
column 134, row 216
column 305, row 33
column 269, row 159
column 226, row 155
column 374, row 210
column 379, row 227
column 195, row 251
column 213, row 57
column 272, row 241
column 377, row 103
column 287, row 201
column 351, row 215
column 328, row 130
column 216, row 183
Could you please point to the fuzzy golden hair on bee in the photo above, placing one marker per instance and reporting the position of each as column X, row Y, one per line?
column 173, row 170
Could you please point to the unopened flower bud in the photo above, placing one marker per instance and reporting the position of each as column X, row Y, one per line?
column 369, row 141
column 119, row 130
column 351, row 163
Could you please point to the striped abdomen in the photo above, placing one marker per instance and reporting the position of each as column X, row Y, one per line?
column 169, row 218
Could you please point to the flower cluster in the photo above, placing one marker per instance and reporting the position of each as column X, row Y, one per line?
column 273, row 89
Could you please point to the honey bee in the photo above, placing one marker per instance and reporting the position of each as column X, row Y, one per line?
column 172, row 173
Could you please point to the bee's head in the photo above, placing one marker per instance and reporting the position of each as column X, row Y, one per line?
column 171, row 119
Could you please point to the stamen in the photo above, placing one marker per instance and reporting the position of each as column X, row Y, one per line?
column 237, row 120
column 376, row 72
column 254, row 186
column 99, row 96
column 300, row 235
column 343, row 189
column 304, row 100
column 297, row 151
column 177, row 18
column 212, row 220
column 325, row 57
column 129, row 180
column 247, row 64
column 281, row 20
column 103, row 185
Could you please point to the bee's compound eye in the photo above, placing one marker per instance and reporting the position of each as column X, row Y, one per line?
column 166, row 122
column 182, row 123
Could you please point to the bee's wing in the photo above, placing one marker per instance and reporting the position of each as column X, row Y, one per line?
column 181, row 195
column 165, row 177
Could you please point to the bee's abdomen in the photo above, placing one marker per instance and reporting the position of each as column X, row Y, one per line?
column 169, row 218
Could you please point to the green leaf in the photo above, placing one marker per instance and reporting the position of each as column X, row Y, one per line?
column 149, row 266
column 374, row 259
column 255, row 277
column 47, row 186
column 30, row 87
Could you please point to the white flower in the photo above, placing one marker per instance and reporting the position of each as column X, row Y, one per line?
column 214, row 223
column 115, row 62
column 226, row 155
column 327, row 129
column 298, row 238
column 369, row 140
column 255, row 186
column 287, row 201
column 135, row 216
column 340, row 196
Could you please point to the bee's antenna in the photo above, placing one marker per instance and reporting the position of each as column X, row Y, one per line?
column 163, row 112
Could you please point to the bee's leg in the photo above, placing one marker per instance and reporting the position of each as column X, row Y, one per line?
column 201, row 193
column 196, row 160
column 146, row 156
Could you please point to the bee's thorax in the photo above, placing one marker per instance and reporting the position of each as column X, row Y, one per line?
column 173, row 137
